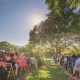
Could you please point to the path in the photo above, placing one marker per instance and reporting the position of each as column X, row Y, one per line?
column 48, row 72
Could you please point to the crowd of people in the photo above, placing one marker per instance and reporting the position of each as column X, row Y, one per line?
column 19, row 62
column 71, row 63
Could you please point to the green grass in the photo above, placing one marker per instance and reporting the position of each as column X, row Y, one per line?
column 48, row 72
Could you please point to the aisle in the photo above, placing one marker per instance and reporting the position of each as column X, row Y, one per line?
column 48, row 72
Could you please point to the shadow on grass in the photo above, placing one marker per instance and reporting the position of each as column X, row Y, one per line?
column 48, row 72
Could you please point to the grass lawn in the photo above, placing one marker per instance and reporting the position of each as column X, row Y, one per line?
column 48, row 72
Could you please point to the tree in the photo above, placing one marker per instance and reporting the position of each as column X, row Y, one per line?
column 57, row 30
column 4, row 45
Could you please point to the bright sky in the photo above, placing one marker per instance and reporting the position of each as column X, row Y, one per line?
column 17, row 18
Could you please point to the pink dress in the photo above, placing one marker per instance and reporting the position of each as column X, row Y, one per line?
column 20, row 63
column 24, row 61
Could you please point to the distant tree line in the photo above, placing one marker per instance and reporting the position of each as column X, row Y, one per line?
column 4, row 45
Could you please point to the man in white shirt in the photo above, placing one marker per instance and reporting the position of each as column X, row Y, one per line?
column 34, row 62
column 77, row 65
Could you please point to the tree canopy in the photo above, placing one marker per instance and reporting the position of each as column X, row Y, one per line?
column 61, row 29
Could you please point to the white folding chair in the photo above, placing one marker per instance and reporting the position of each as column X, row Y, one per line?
column 10, row 70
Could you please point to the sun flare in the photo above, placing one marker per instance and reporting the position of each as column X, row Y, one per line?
column 36, row 20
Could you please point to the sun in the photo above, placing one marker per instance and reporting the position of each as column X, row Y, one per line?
column 35, row 20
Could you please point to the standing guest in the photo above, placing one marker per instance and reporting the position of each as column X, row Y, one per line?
column 73, row 58
column 72, row 62
column 61, row 61
column 12, row 60
column 77, row 65
column 2, row 55
column 22, row 62
column 52, row 60
column 65, row 62
column 16, row 57
column 34, row 61
column 23, row 58
column 3, row 71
